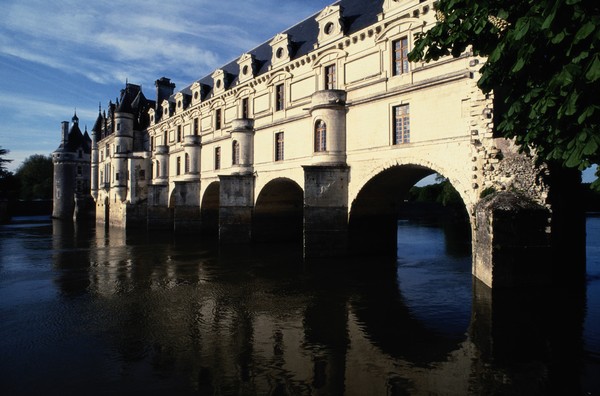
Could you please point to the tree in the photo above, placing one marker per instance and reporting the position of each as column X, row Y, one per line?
column 8, row 182
column 3, row 161
column 36, row 176
column 543, row 64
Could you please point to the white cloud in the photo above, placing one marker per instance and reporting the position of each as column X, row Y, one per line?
column 58, row 55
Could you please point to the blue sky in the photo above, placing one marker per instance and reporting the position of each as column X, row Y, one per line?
column 63, row 55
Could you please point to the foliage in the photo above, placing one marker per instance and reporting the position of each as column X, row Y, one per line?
column 8, row 182
column 36, row 176
column 543, row 64
column 441, row 193
column 3, row 161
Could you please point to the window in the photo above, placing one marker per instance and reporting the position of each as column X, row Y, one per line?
column 142, row 174
column 79, row 171
column 187, row 163
column 118, row 149
column 117, row 176
column 157, row 168
column 218, row 119
column 217, row 158
column 178, row 167
column 400, row 56
column 279, row 97
column 330, row 78
column 401, row 124
column 80, row 154
column 320, row 136
column 235, row 153
column 178, row 133
column 152, row 143
column 279, row 146
column 196, row 126
column 245, row 113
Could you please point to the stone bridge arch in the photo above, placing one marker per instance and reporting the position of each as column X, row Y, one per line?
column 209, row 210
column 376, row 198
column 278, row 211
column 456, row 175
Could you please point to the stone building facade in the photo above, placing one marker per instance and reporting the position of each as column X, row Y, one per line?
column 316, row 133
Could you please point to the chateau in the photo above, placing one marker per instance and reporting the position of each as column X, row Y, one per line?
column 315, row 135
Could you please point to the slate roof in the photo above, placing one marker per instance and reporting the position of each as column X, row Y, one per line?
column 357, row 15
column 77, row 140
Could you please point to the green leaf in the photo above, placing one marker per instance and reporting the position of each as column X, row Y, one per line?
column 571, row 105
column 548, row 21
column 519, row 65
column 590, row 148
column 521, row 28
column 559, row 37
column 574, row 159
column 584, row 31
column 593, row 70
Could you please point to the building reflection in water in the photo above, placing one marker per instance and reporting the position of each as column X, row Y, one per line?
column 174, row 314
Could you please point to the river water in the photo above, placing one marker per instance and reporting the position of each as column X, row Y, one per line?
column 85, row 312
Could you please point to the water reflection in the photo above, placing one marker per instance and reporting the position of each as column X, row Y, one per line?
column 158, row 314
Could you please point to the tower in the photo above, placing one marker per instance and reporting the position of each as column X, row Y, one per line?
column 71, row 160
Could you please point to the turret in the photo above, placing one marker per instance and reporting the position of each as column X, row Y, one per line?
column 328, row 112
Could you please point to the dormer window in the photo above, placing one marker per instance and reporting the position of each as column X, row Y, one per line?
column 331, row 25
column 281, row 46
column 246, row 64
column 218, row 81
column 196, row 93
column 165, row 106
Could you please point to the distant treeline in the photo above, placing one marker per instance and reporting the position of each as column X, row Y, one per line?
column 445, row 196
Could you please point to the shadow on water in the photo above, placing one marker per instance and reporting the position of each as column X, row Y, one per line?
column 158, row 313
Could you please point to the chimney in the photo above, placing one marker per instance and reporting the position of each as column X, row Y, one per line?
column 65, row 132
column 164, row 89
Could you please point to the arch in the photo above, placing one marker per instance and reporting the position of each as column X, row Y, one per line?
column 358, row 183
column 397, row 28
column 245, row 91
column 279, row 76
column 374, row 210
column 335, row 53
column 278, row 213
column 209, row 210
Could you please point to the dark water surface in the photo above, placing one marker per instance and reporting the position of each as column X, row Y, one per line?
column 84, row 313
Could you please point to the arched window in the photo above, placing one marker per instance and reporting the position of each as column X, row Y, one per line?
column 320, row 136
column 235, row 153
